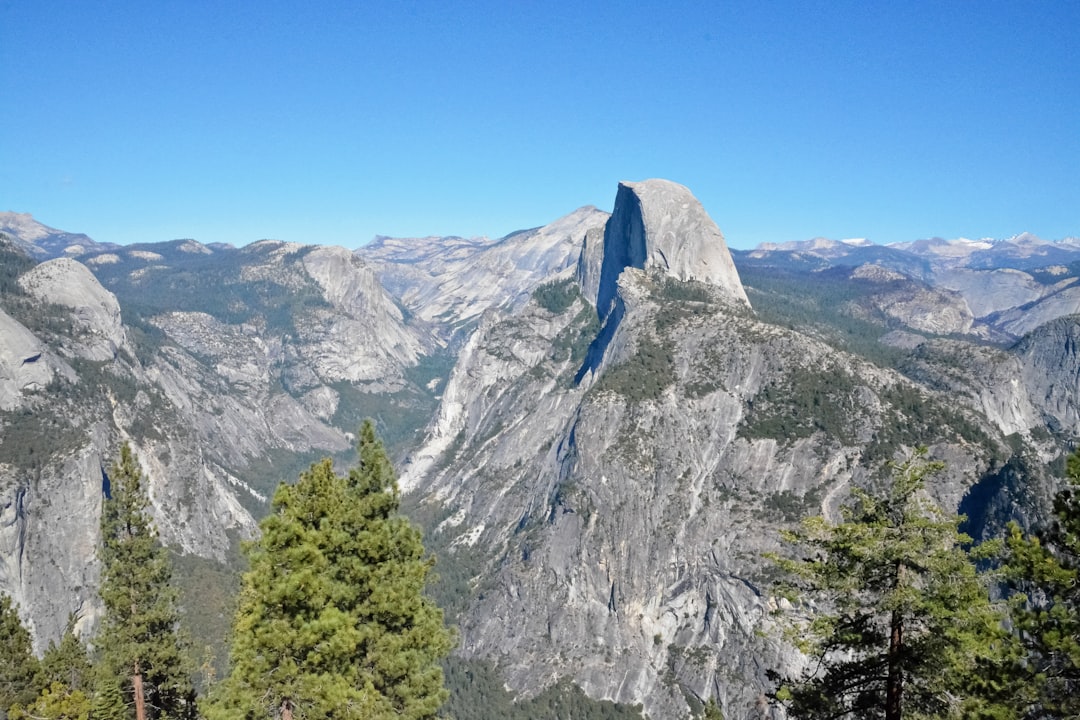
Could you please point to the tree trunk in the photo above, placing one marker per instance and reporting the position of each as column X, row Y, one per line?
column 286, row 709
column 140, row 700
column 895, row 689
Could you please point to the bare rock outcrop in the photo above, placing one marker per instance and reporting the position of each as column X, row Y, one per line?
column 66, row 282
column 359, row 310
column 22, row 363
column 660, row 225
column 453, row 281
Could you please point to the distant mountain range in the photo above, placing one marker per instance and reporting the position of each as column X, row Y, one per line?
column 601, row 424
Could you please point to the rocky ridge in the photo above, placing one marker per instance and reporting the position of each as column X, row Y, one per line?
column 450, row 282
column 598, row 484
column 622, row 513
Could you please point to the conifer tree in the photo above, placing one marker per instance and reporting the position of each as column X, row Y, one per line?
column 56, row 702
column 332, row 621
column 139, row 638
column 65, row 674
column 899, row 621
column 20, row 671
column 108, row 701
column 1044, row 572
column 67, row 663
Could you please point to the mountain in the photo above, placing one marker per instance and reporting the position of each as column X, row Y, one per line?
column 608, row 525
column 1009, row 287
column 450, row 282
column 42, row 242
column 601, row 423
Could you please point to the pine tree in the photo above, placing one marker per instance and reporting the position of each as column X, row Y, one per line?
column 900, row 622
column 139, row 639
column 108, row 699
column 67, row 663
column 20, row 672
column 332, row 620
column 56, row 702
column 65, row 673
column 1043, row 571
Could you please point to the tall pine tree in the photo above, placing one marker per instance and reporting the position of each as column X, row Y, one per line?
column 20, row 671
column 332, row 620
column 139, row 638
column 67, row 663
column 899, row 621
column 1044, row 572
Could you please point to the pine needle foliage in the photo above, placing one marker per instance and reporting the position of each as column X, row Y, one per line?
column 139, row 639
column 332, row 619
column 897, row 621
column 68, row 663
column 20, row 672
column 108, row 703
column 1044, row 573
column 56, row 702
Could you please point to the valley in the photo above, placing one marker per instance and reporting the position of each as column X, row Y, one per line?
column 602, row 425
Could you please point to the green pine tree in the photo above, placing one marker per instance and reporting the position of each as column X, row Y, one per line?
column 332, row 620
column 712, row 711
column 65, row 676
column 108, row 701
column 68, row 662
column 139, row 637
column 56, row 702
column 20, row 672
column 899, row 621
column 1044, row 572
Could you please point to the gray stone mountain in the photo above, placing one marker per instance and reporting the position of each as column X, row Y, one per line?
column 42, row 242
column 451, row 282
column 606, row 421
column 218, row 407
column 609, row 525
column 1010, row 286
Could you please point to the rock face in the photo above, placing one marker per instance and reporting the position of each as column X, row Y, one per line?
column 22, row 368
column 660, row 225
column 1050, row 360
column 612, row 523
column 69, row 283
column 928, row 309
column 209, row 404
column 613, row 530
column 361, row 335
column 451, row 282
column 609, row 457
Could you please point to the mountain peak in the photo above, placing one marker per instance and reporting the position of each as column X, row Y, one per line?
column 43, row 242
column 660, row 225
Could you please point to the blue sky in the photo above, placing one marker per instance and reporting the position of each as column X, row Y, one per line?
column 331, row 122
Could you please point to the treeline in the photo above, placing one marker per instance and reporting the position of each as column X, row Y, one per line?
column 332, row 620
column 899, row 615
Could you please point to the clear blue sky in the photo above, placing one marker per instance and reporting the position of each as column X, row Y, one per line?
column 330, row 122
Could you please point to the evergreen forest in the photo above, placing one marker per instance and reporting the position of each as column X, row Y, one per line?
column 897, row 612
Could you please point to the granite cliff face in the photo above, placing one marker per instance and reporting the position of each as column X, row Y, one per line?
column 210, row 403
column 620, row 437
column 61, row 430
column 451, row 282
column 659, row 225
column 611, row 524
